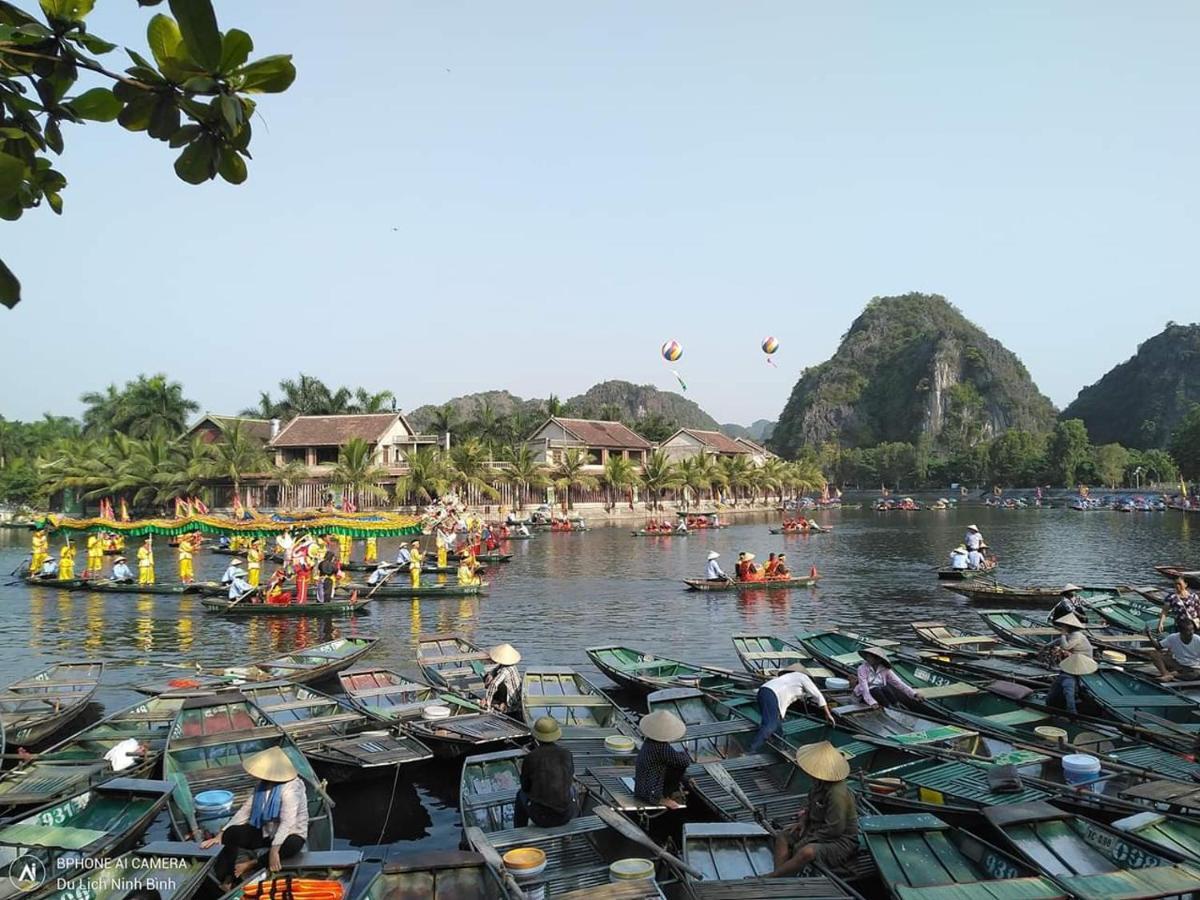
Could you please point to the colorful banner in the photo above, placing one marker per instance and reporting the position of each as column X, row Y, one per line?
column 354, row 525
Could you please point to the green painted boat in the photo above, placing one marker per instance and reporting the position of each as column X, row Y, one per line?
column 714, row 730
column 209, row 741
column 1129, row 613
column 428, row 590
column 1090, row 860
column 435, row 874
column 766, row 656
column 392, row 697
column 735, row 860
column 487, row 789
column 343, row 742
column 34, row 709
column 946, row 637
column 1176, row 836
column 586, row 714
column 1023, row 630
column 178, row 871
column 324, row 865
column 102, row 821
column 1161, row 714
column 452, row 661
column 767, row 584
column 105, row 586
column 78, row 762
column 921, row 857
column 228, row 607
column 645, row 672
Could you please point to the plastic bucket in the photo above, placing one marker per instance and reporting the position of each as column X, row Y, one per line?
column 435, row 712
column 214, row 803
column 632, row 869
column 1080, row 769
column 617, row 743
column 525, row 864
column 837, row 684
column 1050, row 733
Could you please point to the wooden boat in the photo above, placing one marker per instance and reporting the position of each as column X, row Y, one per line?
column 714, row 730
column 1003, row 595
column 585, row 713
column 488, row 785
column 956, row 640
column 645, row 672
column 183, row 866
column 429, row 590
column 1191, row 576
column 321, row 865
column 949, row 573
column 1020, row 629
column 767, row 584
column 1087, row 859
column 1128, row 613
column 209, row 741
column 921, row 856
column 105, row 586
column 36, row 708
column 103, row 821
column 78, row 762
column 343, row 742
column 642, row 532
column 735, row 860
column 393, row 698
column 1148, row 708
column 228, row 607
column 489, row 557
column 452, row 661
column 1175, row 836
column 446, row 874
column 766, row 656
column 813, row 528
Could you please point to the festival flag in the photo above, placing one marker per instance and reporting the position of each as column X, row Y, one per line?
column 124, row 511
column 200, row 507
column 238, row 509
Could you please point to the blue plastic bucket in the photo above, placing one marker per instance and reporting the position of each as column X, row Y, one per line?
column 1080, row 769
column 214, row 803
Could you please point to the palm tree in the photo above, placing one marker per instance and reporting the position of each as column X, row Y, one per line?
column 806, row 475
column 472, row 467
column 487, row 423
column 356, row 471
column 619, row 475
column 366, row 402
column 570, row 473
column 524, row 472
column 429, row 475
column 155, row 405
column 659, row 474
column 771, row 476
column 443, row 419
column 554, row 406
column 699, row 474
column 101, row 411
column 735, row 472
column 234, row 457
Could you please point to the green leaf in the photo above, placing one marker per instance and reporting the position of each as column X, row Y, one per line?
column 94, row 44
column 231, row 112
column 269, row 75
column 35, row 30
column 235, row 50
column 164, row 38
column 164, row 120
column 67, row 10
column 201, row 84
column 232, row 167
column 53, row 135
column 10, row 288
column 198, row 23
column 138, row 59
column 15, row 134
column 196, row 164
column 12, row 15
column 12, row 175
column 185, row 135
column 55, row 201
column 136, row 114
column 98, row 105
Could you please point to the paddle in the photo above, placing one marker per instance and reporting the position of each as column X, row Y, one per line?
column 627, row 829
column 382, row 581
column 478, row 840
column 726, row 782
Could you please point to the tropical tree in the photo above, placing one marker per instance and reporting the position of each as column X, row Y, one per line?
column 772, row 476
column 443, row 420
column 1069, row 449
column 472, row 468
column 306, row 395
column 1111, row 461
column 429, row 475
column 235, row 456
column 367, row 402
column 697, row 475
column 619, row 476
column 486, row 426
column 146, row 406
column 356, row 471
column 569, row 473
column 553, row 405
column 805, row 476
column 659, row 474
column 735, row 472
column 523, row 472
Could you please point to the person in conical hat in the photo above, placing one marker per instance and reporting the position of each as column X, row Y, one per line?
column 713, row 571
column 658, row 773
column 1069, row 691
column 502, row 685
column 1073, row 637
column 1069, row 602
column 547, row 796
column 826, row 830
column 875, row 684
column 274, row 817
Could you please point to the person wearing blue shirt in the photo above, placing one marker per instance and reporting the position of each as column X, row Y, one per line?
column 714, row 572
column 121, row 571
column 238, row 585
column 403, row 557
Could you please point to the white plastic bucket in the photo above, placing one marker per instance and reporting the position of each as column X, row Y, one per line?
column 435, row 712
column 632, row 869
column 837, row 684
column 1080, row 769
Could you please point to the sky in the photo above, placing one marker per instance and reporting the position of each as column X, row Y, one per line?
column 459, row 197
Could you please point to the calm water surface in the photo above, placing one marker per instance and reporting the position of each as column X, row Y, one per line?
column 564, row 592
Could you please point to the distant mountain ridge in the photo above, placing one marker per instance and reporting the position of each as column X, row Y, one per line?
column 757, row 431
column 1139, row 402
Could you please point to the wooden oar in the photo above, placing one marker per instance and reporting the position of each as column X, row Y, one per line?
column 384, row 580
column 627, row 829
column 722, row 777
column 476, row 838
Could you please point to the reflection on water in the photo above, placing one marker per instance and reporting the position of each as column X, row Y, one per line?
column 565, row 592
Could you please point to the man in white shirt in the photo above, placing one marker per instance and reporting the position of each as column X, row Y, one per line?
column 777, row 695
column 958, row 557
column 403, row 557
column 714, row 572
column 973, row 540
column 1182, row 659
column 975, row 559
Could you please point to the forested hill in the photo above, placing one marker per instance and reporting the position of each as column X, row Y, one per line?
column 911, row 366
column 1139, row 402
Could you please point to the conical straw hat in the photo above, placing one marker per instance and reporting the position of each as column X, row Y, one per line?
column 663, row 726
column 823, row 761
column 270, row 765
column 1070, row 620
column 505, row 655
column 1069, row 587
column 879, row 653
column 1078, row 664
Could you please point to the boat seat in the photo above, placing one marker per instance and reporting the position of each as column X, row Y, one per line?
column 775, row 654
column 647, row 665
column 847, row 659
column 933, row 735
column 967, row 639
column 1017, row 717
column 1033, row 887
column 948, row 690
column 548, row 701
column 1034, row 631
column 406, row 688
column 30, row 835
column 452, row 658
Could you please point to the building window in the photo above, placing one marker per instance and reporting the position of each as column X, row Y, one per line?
column 634, row 456
column 327, row 456
column 595, row 456
column 294, row 454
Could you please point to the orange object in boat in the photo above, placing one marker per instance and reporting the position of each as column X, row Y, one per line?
column 290, row 888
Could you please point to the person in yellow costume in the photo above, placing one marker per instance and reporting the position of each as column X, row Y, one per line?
column 145, row 557
column 95, row 555
column 414, row 566
column 254, row 561
column 371, row 553
column 187, row 550
column 66, row 560
column 345, row 548
column 41, row 551
column 466, row 574
column 443, row 543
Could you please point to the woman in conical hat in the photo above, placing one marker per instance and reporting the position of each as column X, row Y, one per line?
column 1073, row 638
column 274, row 816
column 1069, row 602
column 826, row 831
column 502, row 685
column 875, row 684
column 1069, row 690
column 658, row 773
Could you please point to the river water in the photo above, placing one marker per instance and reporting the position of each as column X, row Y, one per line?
column 565, row 592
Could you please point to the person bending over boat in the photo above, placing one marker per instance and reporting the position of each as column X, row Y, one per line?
column 658, row 773
column 713, row 571
column 121, row 573
column 547, row 795
column 1068, row 690
column 381, row 571
column 959, row 558
column 1070, row 604
column 826, row 830
column 1181, row 602
column 502, row 685
column 274, row 816
column 776, row 696
column 875, row 682
column 1179, row 655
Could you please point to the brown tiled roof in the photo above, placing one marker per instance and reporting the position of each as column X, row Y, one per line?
column 756, row 448
column 595, row 433
column 717, row 441
column 333, row 431
column 258, row 428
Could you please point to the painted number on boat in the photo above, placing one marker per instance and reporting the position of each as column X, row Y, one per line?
column 1121, row 851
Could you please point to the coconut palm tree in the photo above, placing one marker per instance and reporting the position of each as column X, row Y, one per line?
column 771, row 475
column 659, row 474
column 156, row 406
column 619, row 476
column 734, row 473
column 569, row 473
column 367, row 402
column 235, row 456
column 806, row 475
column 429, row 475
column 524, row 472
column 443, row 420
column 101, row 411
column 699, row 475
column 472, row 468
column 357, row 473
column 487, row 424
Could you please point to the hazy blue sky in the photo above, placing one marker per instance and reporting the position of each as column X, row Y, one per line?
column 455, row 197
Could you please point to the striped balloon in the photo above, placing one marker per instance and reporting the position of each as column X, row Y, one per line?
column 770, row 345
column 671, row 351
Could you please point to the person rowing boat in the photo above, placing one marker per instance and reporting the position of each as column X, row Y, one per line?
column 713, row 571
